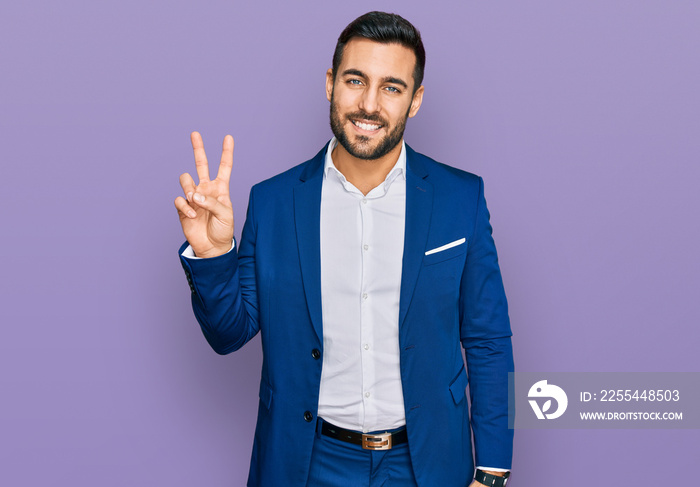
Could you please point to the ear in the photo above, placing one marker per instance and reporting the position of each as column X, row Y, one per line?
column 416, row 102
column 329, row 83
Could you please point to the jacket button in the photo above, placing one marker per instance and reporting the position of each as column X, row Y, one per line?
column 316, row 353
column 308, row 417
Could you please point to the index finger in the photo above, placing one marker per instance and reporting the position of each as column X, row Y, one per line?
column 226, row 160
column 200, row 157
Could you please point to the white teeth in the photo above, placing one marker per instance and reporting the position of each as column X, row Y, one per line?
column 366, row 126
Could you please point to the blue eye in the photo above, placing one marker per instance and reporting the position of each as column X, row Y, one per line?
column 393, row 89
column 354, row 81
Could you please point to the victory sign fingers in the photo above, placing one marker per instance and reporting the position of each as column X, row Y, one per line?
column 205, row 210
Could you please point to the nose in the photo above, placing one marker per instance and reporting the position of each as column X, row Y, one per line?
column 369, row 101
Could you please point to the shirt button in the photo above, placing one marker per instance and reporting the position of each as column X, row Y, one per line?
column 365, row 246
column 364, row 201
column 308, row 417
column 316, row 353
column 366, row 347
column 367, row 394
column 364, row 295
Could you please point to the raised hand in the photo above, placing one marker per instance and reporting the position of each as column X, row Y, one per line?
column 206, row 214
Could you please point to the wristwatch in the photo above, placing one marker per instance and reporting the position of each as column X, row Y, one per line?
column 490, row 479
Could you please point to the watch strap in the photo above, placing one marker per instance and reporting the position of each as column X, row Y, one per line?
column 491, row 480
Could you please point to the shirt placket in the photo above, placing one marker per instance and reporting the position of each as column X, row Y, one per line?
column 366, row 312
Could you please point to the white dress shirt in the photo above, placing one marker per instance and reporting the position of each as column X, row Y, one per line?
column 361, row 260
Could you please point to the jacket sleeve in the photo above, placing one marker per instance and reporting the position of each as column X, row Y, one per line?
column 224, row 294
column 485, row 334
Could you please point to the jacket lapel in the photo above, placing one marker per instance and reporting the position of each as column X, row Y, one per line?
column 419, row 206
column 307, row 221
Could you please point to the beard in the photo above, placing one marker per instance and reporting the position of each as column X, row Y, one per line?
column 360, row 147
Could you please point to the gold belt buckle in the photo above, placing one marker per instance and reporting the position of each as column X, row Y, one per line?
column 377, row 442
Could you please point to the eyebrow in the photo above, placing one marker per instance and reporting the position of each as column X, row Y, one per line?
column 387, row 79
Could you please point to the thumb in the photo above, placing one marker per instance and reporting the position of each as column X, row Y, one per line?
column 218, row 209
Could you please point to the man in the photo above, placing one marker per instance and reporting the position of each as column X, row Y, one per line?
column 363, row 269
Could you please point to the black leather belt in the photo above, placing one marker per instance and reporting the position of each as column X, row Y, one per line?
column 375, row 441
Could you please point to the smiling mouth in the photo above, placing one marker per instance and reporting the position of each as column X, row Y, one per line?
column 366, row 126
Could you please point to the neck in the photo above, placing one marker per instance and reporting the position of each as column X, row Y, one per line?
column 365, row 174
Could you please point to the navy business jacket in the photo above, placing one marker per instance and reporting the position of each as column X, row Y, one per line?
column 272, row 285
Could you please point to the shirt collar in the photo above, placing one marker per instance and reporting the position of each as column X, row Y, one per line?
column 399, row 168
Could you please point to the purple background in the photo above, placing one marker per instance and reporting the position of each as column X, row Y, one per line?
column 583, row 118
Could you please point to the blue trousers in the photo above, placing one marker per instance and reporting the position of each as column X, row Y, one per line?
column 335, row 463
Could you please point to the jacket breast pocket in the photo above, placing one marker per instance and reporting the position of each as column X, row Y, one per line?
column 445, row 252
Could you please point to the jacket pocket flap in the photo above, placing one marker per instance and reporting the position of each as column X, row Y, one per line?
column 459, row 386
column 265, row 395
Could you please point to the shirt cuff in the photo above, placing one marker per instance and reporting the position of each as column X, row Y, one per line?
column 494, row 469
column 189, row 253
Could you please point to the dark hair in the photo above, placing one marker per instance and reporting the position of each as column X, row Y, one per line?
column 387, row 29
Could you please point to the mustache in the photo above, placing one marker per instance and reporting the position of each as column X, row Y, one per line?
column 361, row 115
